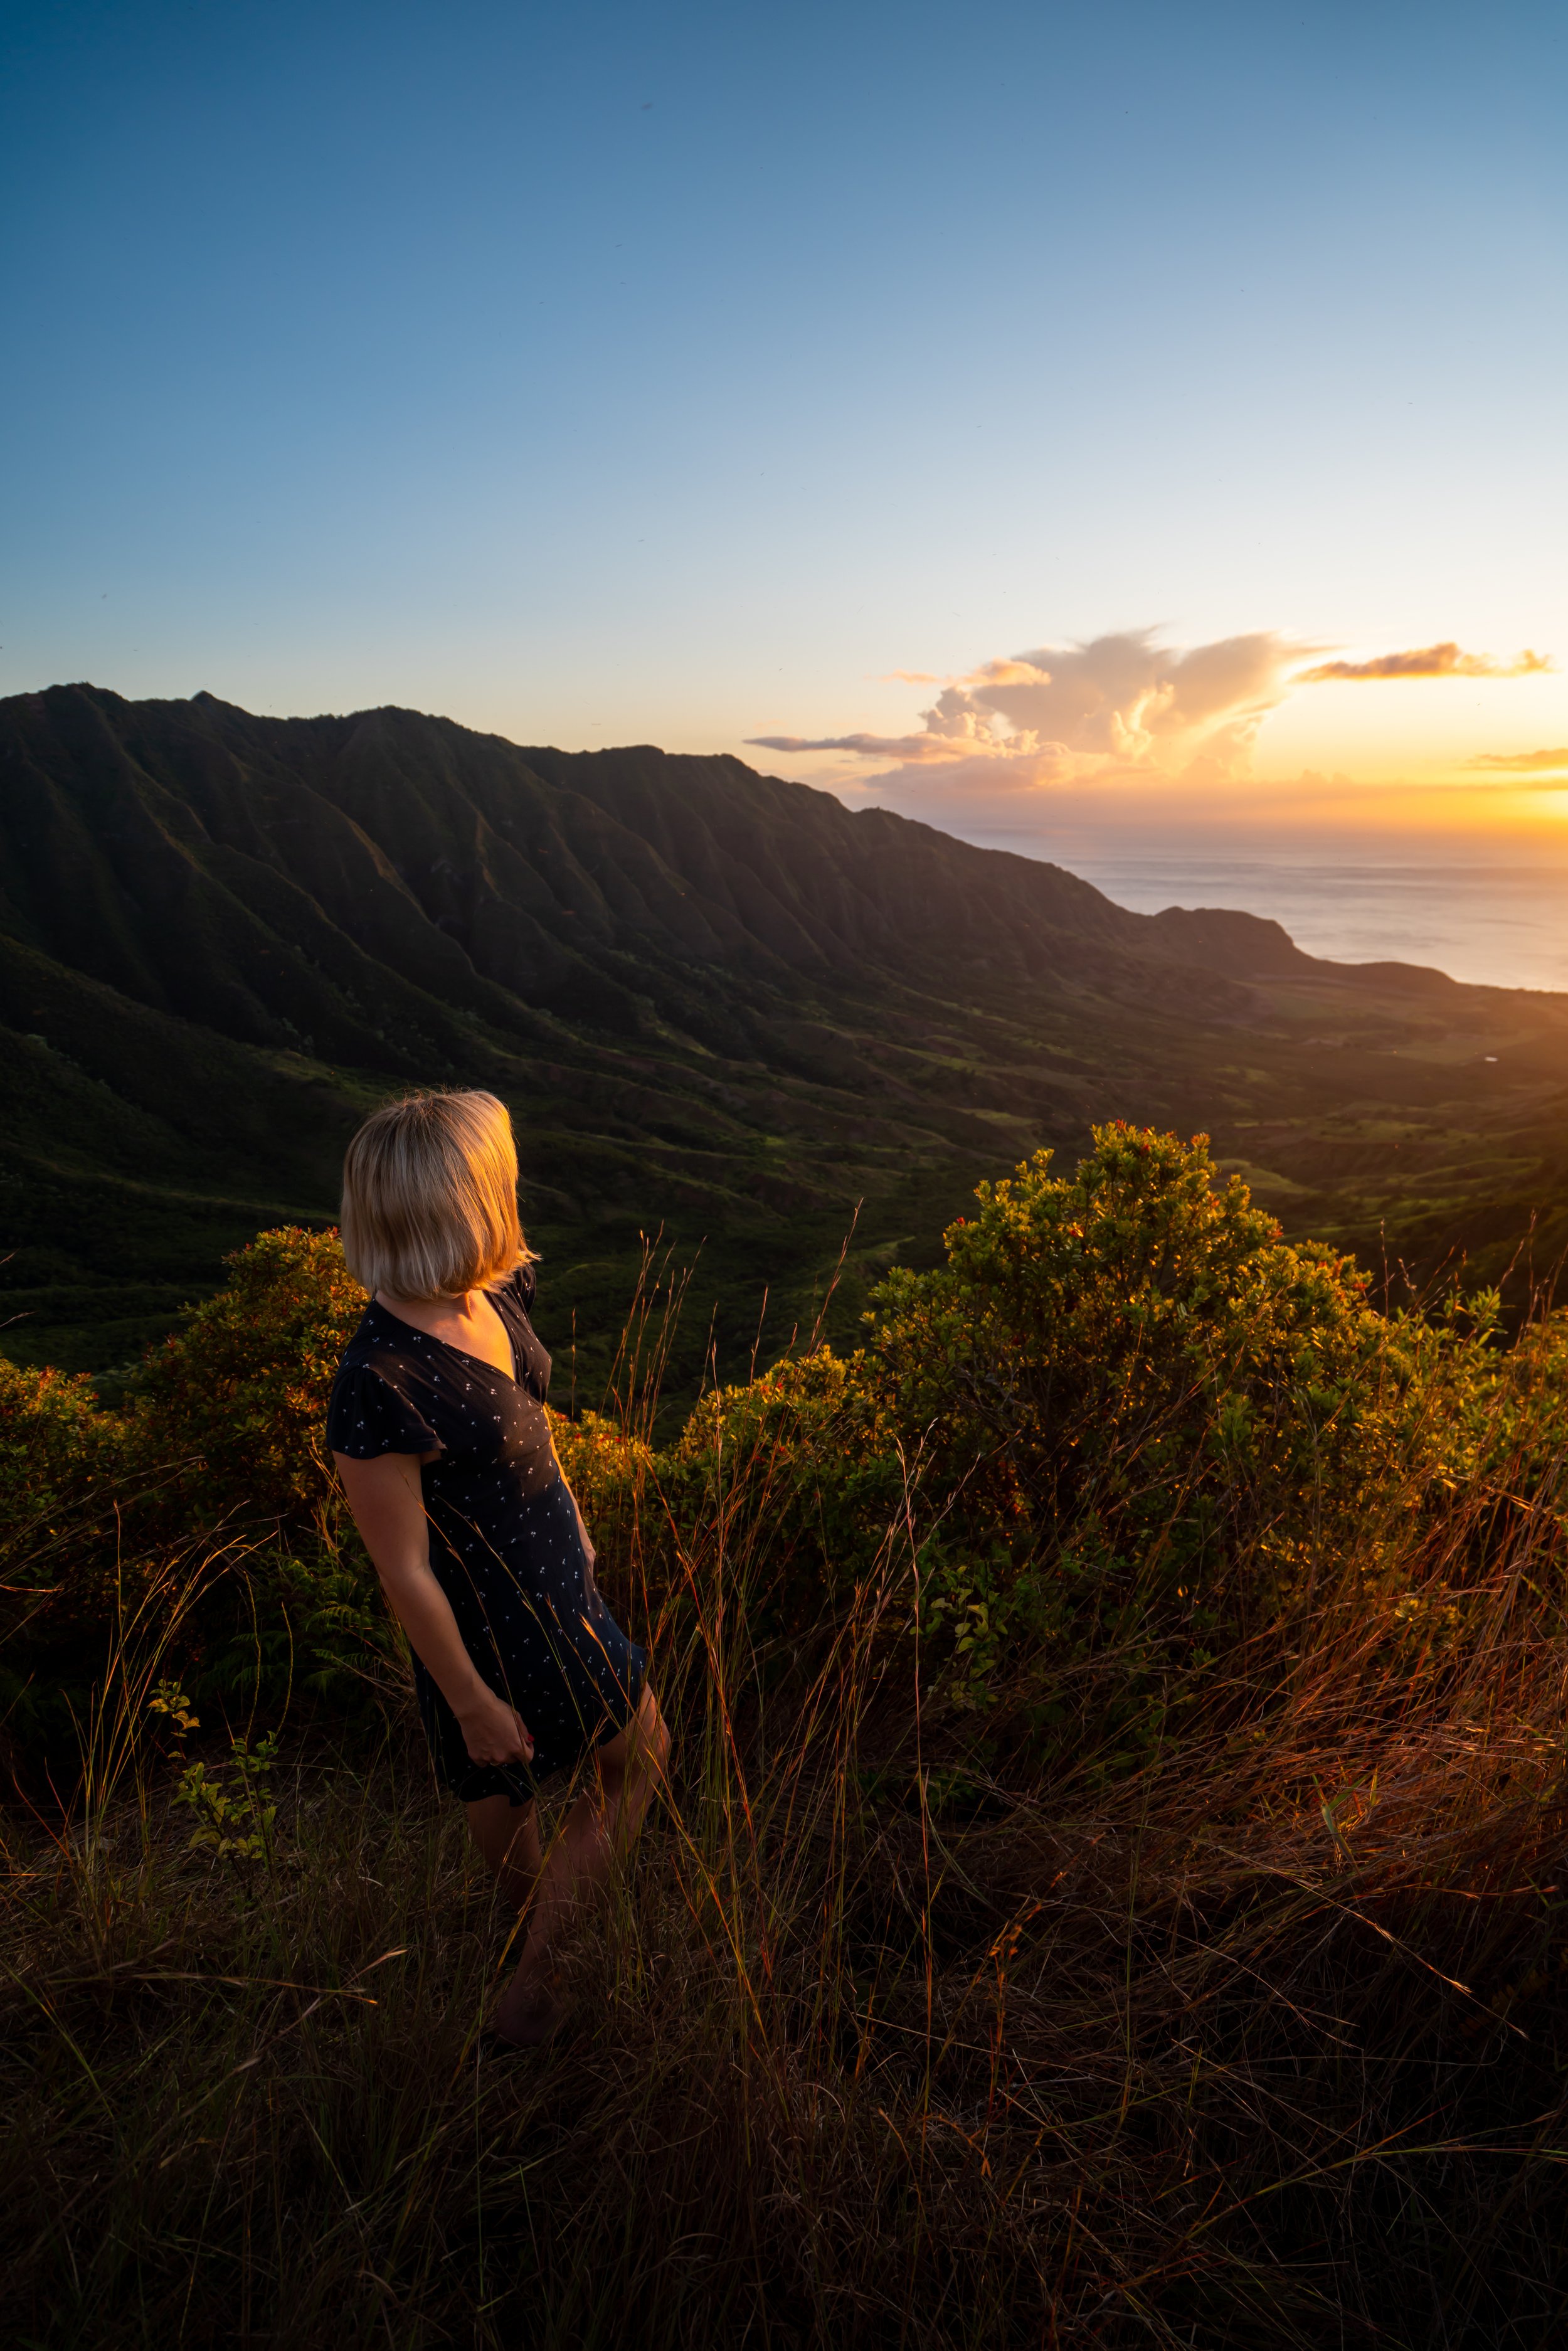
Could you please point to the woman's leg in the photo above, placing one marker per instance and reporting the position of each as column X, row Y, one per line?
column 601, row 1824
column 508, row 1834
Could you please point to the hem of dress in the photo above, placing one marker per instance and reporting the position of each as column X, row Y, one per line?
column 520, row 1783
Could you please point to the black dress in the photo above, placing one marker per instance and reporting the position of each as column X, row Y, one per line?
column 505, row 1544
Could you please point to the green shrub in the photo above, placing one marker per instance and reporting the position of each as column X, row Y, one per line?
column 217, row 1471
column 1123, row 1429
column 604, row 1467
column 62, row 1457
column 1155, row 1416
column 242, row 1390
column 66, row 1481
column 798, row 1474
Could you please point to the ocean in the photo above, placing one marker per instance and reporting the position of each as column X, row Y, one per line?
column 1502, row 926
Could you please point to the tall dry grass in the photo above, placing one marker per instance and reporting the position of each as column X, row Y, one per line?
column 879, row 2041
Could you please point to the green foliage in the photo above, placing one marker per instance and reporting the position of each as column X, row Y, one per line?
column 1122, row 1429
column 981, row 1608
column 242, row 1390
column 219, row 1444
column 1172, row 1424
column 63, row 1460
column 68, row 1479
column 169, row 1703
column 1098, row 1343
column 234, row 1823
column 606, row 1469
column 237, row 1401
column 800, row 1473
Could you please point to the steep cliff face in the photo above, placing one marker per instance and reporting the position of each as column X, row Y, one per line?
column 719, row 1004
column 798, row 875
column 350, row 879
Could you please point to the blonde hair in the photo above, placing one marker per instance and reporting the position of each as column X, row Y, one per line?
column 430, row 1197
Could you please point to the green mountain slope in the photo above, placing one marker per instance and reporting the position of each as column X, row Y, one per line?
column 720, row 1006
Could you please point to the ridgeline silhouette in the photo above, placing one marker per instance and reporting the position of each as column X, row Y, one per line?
column 719, row 1004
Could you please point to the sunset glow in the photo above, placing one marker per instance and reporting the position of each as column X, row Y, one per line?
column 815, row 388
column 1249, row 735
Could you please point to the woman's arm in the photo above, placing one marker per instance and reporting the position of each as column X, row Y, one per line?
column 389, row 1510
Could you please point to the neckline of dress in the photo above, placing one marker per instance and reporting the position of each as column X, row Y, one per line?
column 462, row 1353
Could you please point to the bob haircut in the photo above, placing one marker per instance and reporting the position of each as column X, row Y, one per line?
column 430, row 1197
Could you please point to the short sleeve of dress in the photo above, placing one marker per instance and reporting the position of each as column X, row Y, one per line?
column 367, row 1416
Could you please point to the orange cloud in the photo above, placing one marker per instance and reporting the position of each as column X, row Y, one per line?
column 1127, row 736
column 915, row 750
column 1524, row 763
column 1121, row 700
column 1430, row 661
column 955, row 729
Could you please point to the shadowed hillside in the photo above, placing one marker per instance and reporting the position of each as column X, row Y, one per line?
column 719, row 1004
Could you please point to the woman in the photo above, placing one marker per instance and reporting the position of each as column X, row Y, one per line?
column 438, row 1429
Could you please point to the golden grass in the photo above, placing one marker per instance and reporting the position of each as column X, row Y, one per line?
column 1256, row 2045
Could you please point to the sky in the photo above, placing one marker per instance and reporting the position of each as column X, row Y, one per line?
column 1084, row 427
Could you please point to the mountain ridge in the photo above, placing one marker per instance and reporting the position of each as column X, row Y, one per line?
column 629, row 848
column 719, row 1002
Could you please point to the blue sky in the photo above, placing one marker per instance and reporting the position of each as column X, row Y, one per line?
column 679, row 374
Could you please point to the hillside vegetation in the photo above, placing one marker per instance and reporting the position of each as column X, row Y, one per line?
column 720, row 1006
column 1109, row 1890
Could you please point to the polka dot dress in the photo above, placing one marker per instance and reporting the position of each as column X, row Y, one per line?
column 505, row 1543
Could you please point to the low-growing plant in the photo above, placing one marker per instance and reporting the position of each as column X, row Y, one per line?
column 1163, row 1428
column 63, row 1459
column 241, row 1389
column 799, row 1471
column 233, row 1820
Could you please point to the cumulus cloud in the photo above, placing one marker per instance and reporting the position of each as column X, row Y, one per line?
column 957, row 728
column 1125, row 737
column 1524, row 763
column 1121, row 697
column 1122, row 700
column 1429, row 660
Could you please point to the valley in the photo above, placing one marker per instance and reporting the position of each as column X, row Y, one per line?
column 733, row 1022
